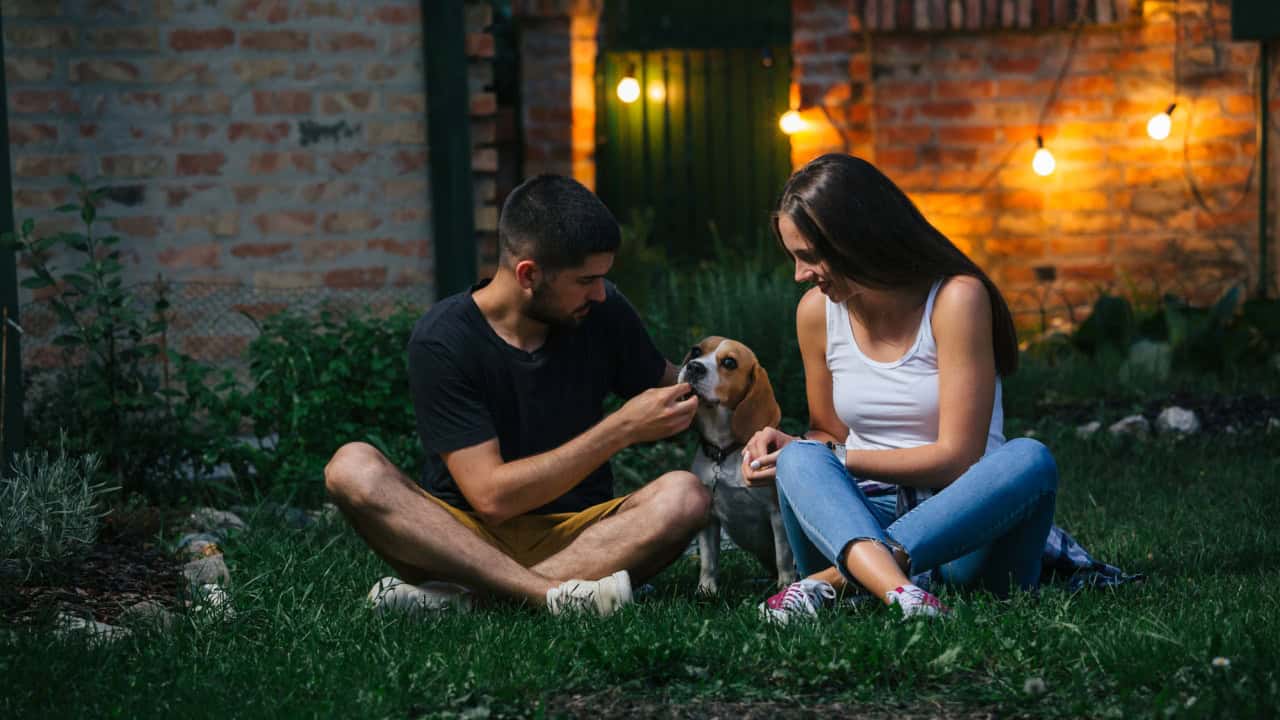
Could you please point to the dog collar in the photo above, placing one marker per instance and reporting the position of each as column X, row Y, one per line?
column 716, row 453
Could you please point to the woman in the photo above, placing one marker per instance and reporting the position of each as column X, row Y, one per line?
column 904, row 341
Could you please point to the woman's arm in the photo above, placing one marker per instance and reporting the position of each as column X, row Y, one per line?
column 966, row 395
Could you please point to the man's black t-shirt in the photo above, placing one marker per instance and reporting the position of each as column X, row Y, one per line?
column 470, row 385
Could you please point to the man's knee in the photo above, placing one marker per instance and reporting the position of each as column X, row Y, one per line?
column 683, row 498
column 350, row 473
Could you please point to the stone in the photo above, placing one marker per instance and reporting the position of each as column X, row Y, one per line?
column 210, row 570
column 1134, row 425
column 147, row 614
column 199, row 541
column 1273, row 425
column 208, row 519
column 1178, row 420
column 1087, row 430
column 66, row 625
column 212, row 601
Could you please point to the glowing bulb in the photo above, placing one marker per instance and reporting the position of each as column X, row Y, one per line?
column 791, row 123
column 657, row 92
column 1043, row 162
column 629, row 90
column 1160, row 124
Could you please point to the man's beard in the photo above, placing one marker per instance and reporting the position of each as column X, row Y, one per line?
column 542, row 309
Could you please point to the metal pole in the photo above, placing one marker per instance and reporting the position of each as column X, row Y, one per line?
column 444, row 53
column 11, row 407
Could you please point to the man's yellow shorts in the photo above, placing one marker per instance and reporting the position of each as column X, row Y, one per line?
column 530, row 539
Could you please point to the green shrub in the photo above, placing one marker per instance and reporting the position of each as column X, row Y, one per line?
column 319, row 382
column 111, row 393
column 50, row 505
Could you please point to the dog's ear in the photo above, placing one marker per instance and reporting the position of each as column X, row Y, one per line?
column 758, row 409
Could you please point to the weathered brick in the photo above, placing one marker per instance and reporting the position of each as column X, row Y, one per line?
column 203, row 39
column 338, row 103
column 370, row 277
column 124, row 38
column 479, row 45
column 39, row 37
column 296, row 222
column 200, row 163
column 133, row 165
column 346, row 42
column 332, row 9
column 1079, row 245
column 413, row 103
column 332, row 191
column 27, row 133
column 274, row 162
column 43, row 101
column 251, row 72
column 171, row 70
column 398, row 133
column 209, row 103
column 282, row 102
column 253, row 11
column 98, row 70
column 258, row 132
column 46, row 165
column 349, row 221
column 327, row 251
column 142, row 226
column 403, row 248
column 275, row 40
column 32, row 199
column 406, row 14
column 28, row 69
column 260, row 250
column 214, row 224
column 348, row 161
column 215, row 348
column 204, row 255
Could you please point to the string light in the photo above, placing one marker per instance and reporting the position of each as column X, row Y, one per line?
column 629, row 86
column 791, row 123
column 1043, row 162
column 657, row 92
column 1160, row 124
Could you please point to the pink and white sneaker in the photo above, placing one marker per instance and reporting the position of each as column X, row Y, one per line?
column 916, row 602
column 798, row 600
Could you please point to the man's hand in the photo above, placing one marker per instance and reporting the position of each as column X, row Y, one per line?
column 760, row 456
column 657, row 413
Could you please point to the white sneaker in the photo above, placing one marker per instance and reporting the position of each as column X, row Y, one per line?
column 797, row 600
column 601, row 596
column 394, row 595
column 916, row 602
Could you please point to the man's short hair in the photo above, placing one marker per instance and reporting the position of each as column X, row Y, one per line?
column 556, row 222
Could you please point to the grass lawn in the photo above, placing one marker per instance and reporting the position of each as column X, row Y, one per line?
column 1198, row 517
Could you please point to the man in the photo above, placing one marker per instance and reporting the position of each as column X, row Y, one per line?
column 508, row 381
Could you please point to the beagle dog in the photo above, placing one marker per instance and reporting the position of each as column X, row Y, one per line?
column 735, row 400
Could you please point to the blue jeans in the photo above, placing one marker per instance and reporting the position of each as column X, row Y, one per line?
column 986, row 529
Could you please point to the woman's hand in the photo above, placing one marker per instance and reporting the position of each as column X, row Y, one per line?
column 760, row 456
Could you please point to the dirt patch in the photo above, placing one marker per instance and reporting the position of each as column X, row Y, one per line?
column 616, row 704
column 124, row 567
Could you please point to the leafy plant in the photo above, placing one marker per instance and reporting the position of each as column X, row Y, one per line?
column 319, row 382
column 50, row 505
column 110, row 392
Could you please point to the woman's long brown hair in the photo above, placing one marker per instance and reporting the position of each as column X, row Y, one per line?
column 867, row 230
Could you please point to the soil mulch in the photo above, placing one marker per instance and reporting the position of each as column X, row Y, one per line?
column 124, row 567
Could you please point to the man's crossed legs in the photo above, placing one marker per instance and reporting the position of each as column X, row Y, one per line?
column 423, row 541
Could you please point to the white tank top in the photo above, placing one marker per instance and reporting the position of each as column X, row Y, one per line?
column 892, row 405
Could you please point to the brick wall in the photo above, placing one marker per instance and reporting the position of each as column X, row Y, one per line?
column 260, row 144
column 952, row 117
column 558, row 49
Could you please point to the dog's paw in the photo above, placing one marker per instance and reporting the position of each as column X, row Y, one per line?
column 708, row 587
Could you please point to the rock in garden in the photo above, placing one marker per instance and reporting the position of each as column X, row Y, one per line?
column 210, row 570
column 212, row 601
column 1273, row 425
column 328, row 512
column 1135, row 425
column 1177, row 420
column 209, row 519
column 66, row 625
column 1087, row 430
column 148, row 614
column 194, row 545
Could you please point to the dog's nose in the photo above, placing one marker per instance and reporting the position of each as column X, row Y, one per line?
column 695, row 370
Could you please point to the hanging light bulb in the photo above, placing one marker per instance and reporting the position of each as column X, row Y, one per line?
column 1043, row 162
column 1160, row 124
column 629, row 86
column 791, row 123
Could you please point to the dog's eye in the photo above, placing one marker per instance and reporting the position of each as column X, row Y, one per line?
column 729, row 364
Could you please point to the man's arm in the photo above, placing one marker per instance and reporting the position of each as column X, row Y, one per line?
column 499, row 491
